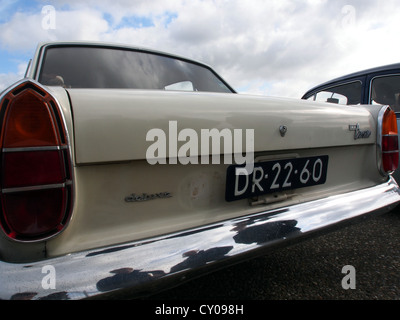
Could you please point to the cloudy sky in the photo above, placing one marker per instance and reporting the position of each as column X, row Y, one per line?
column 269, row 47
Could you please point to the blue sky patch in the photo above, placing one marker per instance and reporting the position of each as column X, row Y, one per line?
column 9, row 7
column 136, row 22
column 9, row 62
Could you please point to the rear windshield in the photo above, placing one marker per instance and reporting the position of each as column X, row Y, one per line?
column 100, row 67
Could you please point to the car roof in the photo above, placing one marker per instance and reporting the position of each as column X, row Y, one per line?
column 357, row 74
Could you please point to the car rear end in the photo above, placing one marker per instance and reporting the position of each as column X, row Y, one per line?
column 105, row 218
column 120, row 191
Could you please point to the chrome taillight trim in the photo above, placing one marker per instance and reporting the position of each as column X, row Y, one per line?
column 38, row 187
column 379, row 137
column 28, row 149
column 379, row 141
column 65, row 147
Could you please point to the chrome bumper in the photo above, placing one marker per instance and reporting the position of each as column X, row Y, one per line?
column 137, row 268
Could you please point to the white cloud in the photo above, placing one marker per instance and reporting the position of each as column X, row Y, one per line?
column 279, row 48
column 25, row 30
column 7, row 79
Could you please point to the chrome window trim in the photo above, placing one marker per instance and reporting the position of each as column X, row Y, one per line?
column 44, row 47
column 38, row 66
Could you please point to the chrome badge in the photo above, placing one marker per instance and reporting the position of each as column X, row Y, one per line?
column 283, row 130
column 359, row 134
column 146, row 197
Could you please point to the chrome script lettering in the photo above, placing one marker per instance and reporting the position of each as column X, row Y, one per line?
column 145, row 197
column 359, row 134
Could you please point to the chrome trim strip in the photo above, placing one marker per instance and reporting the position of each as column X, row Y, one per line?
column 142, row 266
column 27, row 149
column 35, row 188
column 389, row 135
column 379, row 140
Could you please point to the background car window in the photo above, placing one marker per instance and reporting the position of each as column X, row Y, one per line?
column 386, row 90
column 349, row 93
column 332, row 97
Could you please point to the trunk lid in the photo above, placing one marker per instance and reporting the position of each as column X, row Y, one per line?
column 112, row 125
column 121, row 197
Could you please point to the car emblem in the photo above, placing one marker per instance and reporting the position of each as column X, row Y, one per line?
column 359, row 134
column 146, row 197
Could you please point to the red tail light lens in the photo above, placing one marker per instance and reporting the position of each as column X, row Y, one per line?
column 35, row 213
column 388, row 138
column 32, row 168
column 29, row 122
column 36, row 186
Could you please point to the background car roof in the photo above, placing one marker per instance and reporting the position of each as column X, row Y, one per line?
column 357, row 74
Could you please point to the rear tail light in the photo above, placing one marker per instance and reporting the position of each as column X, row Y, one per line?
column 36, row 183
column 388, row 153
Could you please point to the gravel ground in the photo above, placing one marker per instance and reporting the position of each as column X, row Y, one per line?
column 312, row 270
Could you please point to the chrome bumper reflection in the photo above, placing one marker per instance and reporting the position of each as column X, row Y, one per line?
column 139, row 267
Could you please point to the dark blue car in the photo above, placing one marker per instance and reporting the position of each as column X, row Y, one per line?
column 379, row 85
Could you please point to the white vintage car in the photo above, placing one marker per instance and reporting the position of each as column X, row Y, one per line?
column 126, row 170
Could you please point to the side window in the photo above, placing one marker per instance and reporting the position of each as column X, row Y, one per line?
column 346, row 94
column 386, row 90
column 332, row 97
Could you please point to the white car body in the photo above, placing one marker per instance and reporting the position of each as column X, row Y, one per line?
column 134, row 224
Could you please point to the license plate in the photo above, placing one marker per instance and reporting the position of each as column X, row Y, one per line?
column 275, row 176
